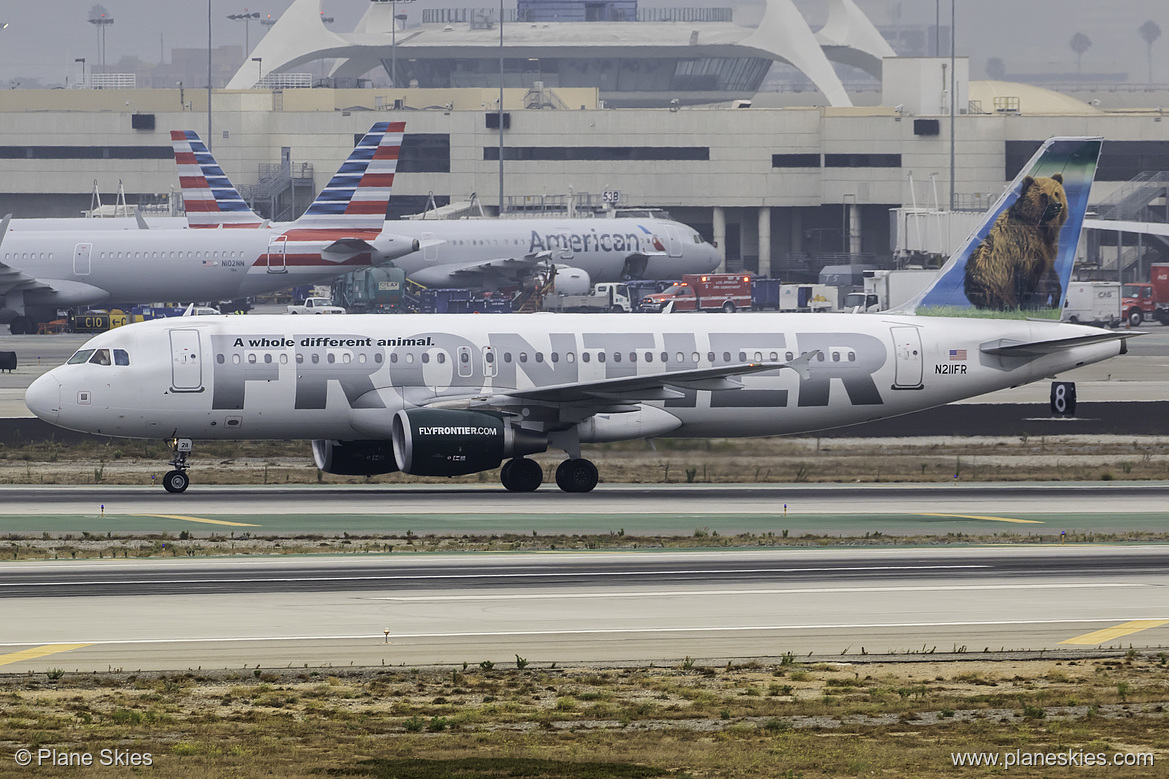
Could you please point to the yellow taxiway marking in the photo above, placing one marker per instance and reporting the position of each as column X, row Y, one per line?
column 1119, row 631
column 989, row 519
column 38, row 651
column 198, row 519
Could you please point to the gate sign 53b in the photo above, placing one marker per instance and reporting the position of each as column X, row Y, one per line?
column 1063, row 398
column 611, row 196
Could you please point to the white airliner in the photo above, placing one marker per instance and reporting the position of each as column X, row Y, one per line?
column 458, row 394
column 480, row 253
column 42, row 271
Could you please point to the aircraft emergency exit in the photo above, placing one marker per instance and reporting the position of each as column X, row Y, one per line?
column 42, row 271
column 444, row 395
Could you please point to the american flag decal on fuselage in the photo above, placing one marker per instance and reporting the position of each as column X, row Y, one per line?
column 208, row 196
column 957, row 354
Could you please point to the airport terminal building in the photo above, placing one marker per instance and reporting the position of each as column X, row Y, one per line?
column 781, row 190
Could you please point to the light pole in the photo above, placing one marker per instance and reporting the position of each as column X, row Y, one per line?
column 246, row 18
column 501, row 108
column 953, row 98
column 259, row 69
column 394, row 39
column 101, row 22
column 82, row 61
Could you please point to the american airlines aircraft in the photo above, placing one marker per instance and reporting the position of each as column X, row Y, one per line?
column 42, row 271
column 480, row 253
column 445, row 395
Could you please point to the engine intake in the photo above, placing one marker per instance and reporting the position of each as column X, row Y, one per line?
column 354, row 458
column 445, row 442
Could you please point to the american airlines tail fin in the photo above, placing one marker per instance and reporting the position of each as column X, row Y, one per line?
column 1018, row 262
column 359, row 193
column 208, row 197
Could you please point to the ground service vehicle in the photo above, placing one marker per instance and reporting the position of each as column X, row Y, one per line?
column 606, row 296
column 1092, row 303
column 1148, row 301
column 886, row 289
column 315, row 306
column 726, row 292
column 808, row 297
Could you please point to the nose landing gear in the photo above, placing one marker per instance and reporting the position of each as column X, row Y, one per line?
column 177, row 480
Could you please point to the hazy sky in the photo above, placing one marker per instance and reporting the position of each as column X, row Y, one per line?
column 44, row 37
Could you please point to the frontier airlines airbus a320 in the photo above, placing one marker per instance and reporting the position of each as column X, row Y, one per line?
column 451, row 394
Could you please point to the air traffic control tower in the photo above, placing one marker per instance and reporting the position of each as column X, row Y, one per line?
column 636, row 57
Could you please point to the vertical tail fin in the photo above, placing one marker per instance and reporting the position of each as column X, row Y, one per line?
column 359, row 193
column 1018, row 262
column 208, row 196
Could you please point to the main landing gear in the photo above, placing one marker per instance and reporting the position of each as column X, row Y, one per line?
column 524, row 475
column 177, row 480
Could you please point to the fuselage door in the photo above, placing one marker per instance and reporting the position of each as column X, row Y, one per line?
column 81, row 254
column 277, row 251
column 907, row 345
column 489, row 366
column 429, row 252
column 186, row 361
column 463, row 356
column 673, row 240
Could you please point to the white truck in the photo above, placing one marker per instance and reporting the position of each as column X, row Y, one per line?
column 886, row 289
column 315, row 306
column 1093, row 303
column 808, row 297
column 606, row 296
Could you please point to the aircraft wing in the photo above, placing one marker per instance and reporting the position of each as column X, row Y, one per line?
column 508, row 267
column 12, row 278
column 591, row 397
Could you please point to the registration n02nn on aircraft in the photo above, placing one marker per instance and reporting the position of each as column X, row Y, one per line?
column 457, row 394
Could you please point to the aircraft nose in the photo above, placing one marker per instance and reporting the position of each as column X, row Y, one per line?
column 43, row 397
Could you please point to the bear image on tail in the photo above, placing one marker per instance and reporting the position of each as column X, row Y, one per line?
column 1014, row 266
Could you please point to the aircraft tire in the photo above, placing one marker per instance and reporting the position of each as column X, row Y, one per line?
column 576, row 475
column 22, row 325
column 521, row 475
column 176, row 482
column 728, row 307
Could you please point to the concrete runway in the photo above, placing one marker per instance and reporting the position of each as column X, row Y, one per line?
column 631, row 606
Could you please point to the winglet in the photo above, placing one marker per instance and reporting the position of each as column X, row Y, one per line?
column 210, row 199
column 4, row 226
column 359, row 194
column 1018, row 261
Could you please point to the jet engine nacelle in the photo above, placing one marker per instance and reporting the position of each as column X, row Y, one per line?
column 571, row 281
column 354, row 458
column 446, row 442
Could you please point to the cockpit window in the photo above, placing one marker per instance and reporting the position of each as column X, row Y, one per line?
column 100, row 357
column 121, row 357
column 80, row 357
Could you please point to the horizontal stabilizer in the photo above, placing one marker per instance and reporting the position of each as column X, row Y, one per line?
column 1006, row 347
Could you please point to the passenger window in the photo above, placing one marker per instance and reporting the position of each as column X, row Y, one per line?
column 775, row 356
column 426, row 358
column 507, row 356
column 409, row 358
column 100, row 357
column 600, row 356
column 788, row 356
column 555, row 357
column 346, row 358
column 584, row 356
column 393, row 357
column 267, row 359
column 361, row 358
column 710, row 357
column 742, row 357
column 219, row 359
column 316, row 359
column 464, row 358
column 252, row 359
column 442, row 358
column 726, row 356
column 570, row 357
column 377, row 358
column 523, row 356
column 616, row 356
column 235, row 359
column 490, row 358
column 299, row 359
column 284, row 359
column 539, row 357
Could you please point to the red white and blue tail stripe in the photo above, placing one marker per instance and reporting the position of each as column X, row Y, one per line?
column 358, row 195
column 208, row 196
